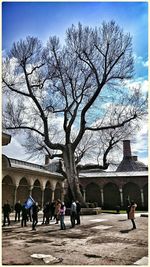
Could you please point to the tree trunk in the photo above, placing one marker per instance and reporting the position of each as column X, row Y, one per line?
column 72, row 176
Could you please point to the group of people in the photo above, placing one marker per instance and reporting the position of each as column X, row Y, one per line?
column 21, row 211
column 55, row 210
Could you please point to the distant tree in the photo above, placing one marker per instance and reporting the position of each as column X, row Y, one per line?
column 60, row 96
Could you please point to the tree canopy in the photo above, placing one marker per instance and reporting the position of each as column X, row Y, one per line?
column 68, row 98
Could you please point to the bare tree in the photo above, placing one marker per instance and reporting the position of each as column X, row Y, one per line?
column 62, row 86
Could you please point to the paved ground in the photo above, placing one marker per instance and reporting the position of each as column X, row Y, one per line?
column 104, row 239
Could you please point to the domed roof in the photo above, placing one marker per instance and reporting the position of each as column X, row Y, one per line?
column 128, row 165
column 129, row 162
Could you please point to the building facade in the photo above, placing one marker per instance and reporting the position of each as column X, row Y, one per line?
column 21, row 179
column 44, row 182
column 110, row 189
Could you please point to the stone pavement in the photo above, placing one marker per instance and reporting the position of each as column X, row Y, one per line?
column 103, row 239
column 143, row 261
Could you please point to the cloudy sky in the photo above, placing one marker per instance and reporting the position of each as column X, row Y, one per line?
column 44, row 19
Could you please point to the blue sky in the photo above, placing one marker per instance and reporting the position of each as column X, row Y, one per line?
column 44, row 19
column 49, row 18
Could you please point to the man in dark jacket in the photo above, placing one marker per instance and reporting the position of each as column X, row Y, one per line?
column 78, row 208
column 18, row 209
column 35, row 210
column 24, row 216
column 6, row 212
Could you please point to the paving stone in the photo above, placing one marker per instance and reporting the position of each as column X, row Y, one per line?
column 143, row 261
column 101, row 227
column 98, row 220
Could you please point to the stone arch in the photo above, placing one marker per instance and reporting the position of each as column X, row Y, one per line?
column 145, row 192
column 47, row 192
column 22, row 190
column 133, row 191
column 93, row 194
column 58, row 189
column 8, row 190
column 111, row 196
column 37, row 192
column 5, row 162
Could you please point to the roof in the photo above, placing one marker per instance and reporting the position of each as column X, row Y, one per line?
column 6, row 138
column 26, row 166
column 113, row 174
column 129, row 164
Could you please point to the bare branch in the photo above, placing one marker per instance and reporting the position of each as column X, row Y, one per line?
column 25, row 128
column 112, row 126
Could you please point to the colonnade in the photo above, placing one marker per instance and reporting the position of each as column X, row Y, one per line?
column 49, row 189
column 17, row 188
column 122, row 194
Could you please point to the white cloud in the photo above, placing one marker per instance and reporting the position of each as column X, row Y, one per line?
column 140, row 145
column 139, row 60
column 16, row 151
column 138, row 83
column 145, row 64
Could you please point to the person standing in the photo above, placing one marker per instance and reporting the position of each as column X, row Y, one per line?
column 52, row 209
column 78, row 209
column 24, row 216
column 57, row 210
column 44, row 214
column 133, row 206
column 62, row 216
column 6, row 212
column 29, row 215
column 35, row 210
column 18, row 208
column 73, row 212
column 47, row 212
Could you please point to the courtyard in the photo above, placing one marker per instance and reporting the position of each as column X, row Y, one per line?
column 103, row 239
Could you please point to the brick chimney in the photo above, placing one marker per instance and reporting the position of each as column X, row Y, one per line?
column 126, row 149
column 47, row 159
column 135, row 158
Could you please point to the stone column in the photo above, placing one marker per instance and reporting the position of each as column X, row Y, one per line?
column 142, row 197
column 53, row 194
column 84, row 195
column 30, row 190
column 15, row 194
column 42, row 197
column 62, row 194
column 102, row 196
column 121, row 197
